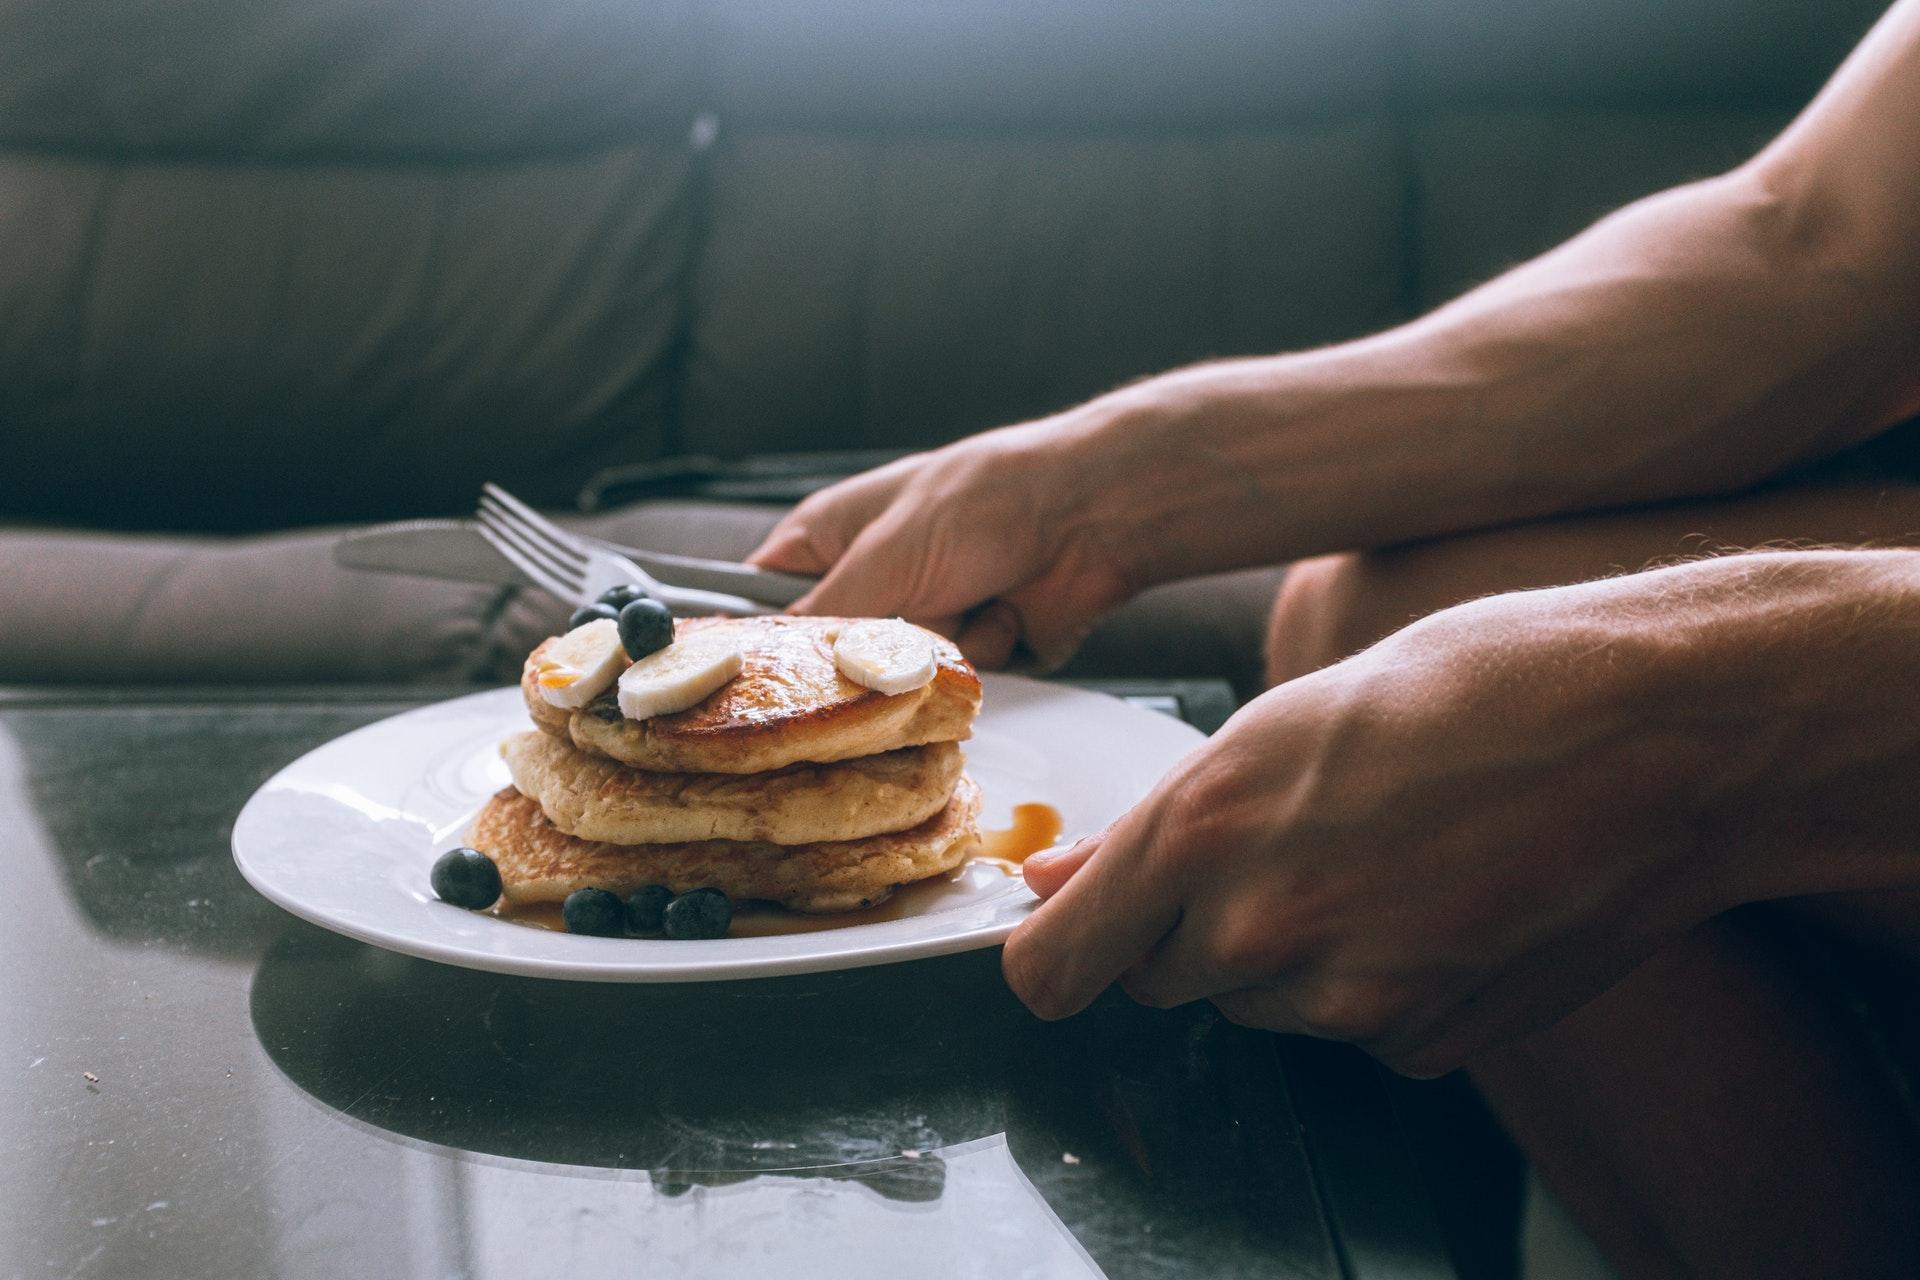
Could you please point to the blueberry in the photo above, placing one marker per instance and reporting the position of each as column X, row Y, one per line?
column 645, row 627
column 699, row 913
column 594, row 911
column 589, row 612
column 645, row 906
column 466, row 878
column 618, row 598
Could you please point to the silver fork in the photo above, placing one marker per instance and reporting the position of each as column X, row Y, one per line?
column 577, row 572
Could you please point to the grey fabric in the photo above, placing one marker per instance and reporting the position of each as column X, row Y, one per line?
column 105, row 608
column 1210, row 627
column 859, row 292
column 222, row 347
column 1497, row 187
column 861, row 66
column 272, row 263
column 1633, row 55
column 97, row 608
column 335, row 80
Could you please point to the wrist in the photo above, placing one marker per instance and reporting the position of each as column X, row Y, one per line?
column 1108, row 470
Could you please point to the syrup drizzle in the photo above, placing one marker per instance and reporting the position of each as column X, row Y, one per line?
column 1035, row 827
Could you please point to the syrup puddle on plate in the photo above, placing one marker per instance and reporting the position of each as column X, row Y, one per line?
column 1035, row 827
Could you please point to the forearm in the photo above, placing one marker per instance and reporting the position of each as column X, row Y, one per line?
column 1766, row 705
column 1769, row 703
column 1806, row 667
column 1685, row 346
column 1694, row 343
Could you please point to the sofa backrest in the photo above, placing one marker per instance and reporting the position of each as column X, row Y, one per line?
column 265, row 263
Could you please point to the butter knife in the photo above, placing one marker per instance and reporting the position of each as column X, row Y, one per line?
column 454, row 549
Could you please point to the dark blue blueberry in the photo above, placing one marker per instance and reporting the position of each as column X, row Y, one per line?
column 594, row 911
column 466, row 878
column 618, row 598
column 645, row 906
column 698, row 913
column 645, row 627
column 588, row 612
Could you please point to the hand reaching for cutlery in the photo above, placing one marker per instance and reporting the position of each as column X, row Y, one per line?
column 991, row 541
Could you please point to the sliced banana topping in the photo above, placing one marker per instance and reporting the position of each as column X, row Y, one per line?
column 887, row 655
column 578, row 667
column 680, row 675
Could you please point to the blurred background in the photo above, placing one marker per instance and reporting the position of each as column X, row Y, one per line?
column 266, row 264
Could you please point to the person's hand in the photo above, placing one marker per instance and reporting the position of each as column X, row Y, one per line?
column 994, row 541
column 1452, row 838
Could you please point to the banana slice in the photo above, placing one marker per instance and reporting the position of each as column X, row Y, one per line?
column 680, row 675
column 887, row 655
column 581, row 664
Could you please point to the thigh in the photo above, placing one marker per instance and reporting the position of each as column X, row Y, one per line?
column 1334, row 606
column 1723, row 1106
column 1719, row 1113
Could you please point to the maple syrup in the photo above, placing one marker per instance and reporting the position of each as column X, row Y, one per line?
column 1035, row 827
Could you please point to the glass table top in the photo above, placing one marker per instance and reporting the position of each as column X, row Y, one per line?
column 201, row 1085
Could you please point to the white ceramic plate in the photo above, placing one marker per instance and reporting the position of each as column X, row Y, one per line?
column 345, row 837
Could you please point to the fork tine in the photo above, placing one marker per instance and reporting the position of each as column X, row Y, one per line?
column 556, row 567
column 555, row 582
column 532, row 524
column 556, row 559
column 513, row 556
column 533, row 520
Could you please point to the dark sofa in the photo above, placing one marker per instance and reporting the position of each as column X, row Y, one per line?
column 267, row 266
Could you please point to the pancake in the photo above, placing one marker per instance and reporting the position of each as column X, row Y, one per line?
column 789, row 704
column 541, row 863
column 596, row 799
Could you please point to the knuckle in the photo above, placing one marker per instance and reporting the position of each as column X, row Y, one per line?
column 1353, row 1009
column 1261, row 1010
column 1192, row 822
column 1418, row 1061
column 1144, row 988
column 1030, row 980
column 1249, row 946
column 1239, row 1012
column 811, row 509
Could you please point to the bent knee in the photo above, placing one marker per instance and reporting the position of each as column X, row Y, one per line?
column 1332, row 607
column 1309, row 615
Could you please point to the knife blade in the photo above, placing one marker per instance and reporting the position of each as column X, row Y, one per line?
column 454, row 549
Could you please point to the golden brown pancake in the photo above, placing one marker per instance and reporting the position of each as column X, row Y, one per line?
column 788, row 704
column 541, row 863
column 596, row 799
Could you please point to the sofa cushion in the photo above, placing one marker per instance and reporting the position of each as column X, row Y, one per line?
column 1624, row 55
column 867, row 292
column 1049, row 66
column 100, row 608
column 1498, row 187
column 345, row 80
column 227, row 347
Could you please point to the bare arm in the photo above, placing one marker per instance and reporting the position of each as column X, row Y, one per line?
column 1473, row 827
column 1695, row 342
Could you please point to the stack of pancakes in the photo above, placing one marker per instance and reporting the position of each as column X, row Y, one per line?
column 789, row 784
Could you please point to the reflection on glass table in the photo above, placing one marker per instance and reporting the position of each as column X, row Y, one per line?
column 206, row 1086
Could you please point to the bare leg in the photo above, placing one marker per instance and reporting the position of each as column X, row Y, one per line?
column 1719, row 1112
column 1337, row 605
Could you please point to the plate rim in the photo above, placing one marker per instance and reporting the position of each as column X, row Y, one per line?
column 690, row 969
